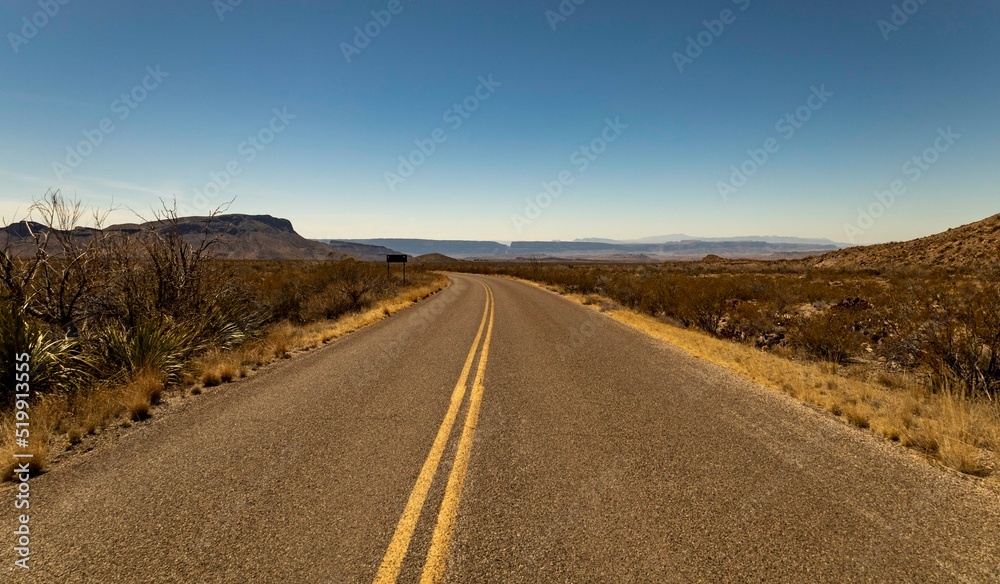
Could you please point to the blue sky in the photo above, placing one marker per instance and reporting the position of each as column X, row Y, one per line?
column 261, row 105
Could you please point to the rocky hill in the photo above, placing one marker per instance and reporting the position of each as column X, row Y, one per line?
column 972, row 246
column 239, row 237
column 434, row 258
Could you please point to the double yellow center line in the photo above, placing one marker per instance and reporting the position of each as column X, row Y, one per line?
column 434, row 566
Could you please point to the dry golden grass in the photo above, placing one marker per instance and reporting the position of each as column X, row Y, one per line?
column 217, row 367
column 136, row 404
column 282, row 339
column 141, row 394
column 286, row 337
column 46, row 415
column 94, row 410
column 960, row 433
column 57, row 421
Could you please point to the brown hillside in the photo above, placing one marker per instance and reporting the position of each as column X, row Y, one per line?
column 971, row 246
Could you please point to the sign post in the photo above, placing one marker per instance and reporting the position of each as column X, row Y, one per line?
column 393, row 258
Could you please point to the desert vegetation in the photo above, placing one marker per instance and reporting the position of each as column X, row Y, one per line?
column 113, row 321
column 912, row 354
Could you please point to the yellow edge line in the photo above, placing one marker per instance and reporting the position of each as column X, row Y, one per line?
column 388, row 571
column 434, row 567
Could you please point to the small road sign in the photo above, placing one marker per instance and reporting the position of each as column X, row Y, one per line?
column 395, row 258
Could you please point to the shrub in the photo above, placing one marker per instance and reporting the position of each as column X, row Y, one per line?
column 706, row 302
column 54, row 364
column 754, row 322
column 148, row 345
column 832, row 335
column 960, row 338
column 660, row 295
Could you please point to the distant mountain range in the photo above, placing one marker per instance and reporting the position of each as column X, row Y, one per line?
column 610, row 250
column 677, row 237
column 271, row 238
column 452, row 248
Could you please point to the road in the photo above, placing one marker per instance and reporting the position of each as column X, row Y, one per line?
column 499, row 433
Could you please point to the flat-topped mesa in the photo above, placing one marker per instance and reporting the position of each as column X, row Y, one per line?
column 232, row 224
column 237, row 236
column 276, row 222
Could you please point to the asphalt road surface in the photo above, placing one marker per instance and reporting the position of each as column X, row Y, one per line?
column 499, row 433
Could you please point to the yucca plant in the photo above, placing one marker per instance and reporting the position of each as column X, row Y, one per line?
column 156, row 345
column 55, row 364
column 228, row 319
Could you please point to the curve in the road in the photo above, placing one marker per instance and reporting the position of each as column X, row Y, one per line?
column 597, row 455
